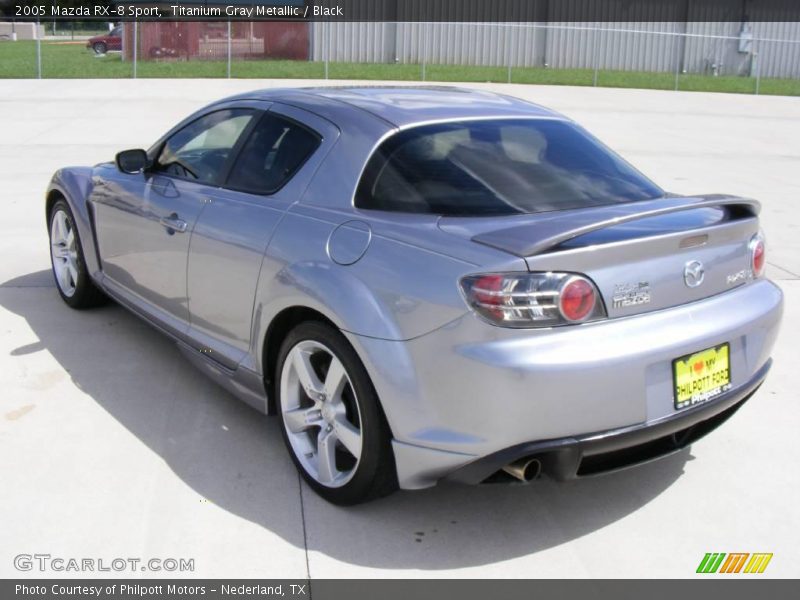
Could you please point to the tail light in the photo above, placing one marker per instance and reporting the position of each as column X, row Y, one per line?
column 533, row 299
column 758, row 255
column 577, row 299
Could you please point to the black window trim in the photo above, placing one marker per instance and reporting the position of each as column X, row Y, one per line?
column 244, row 139
column 217, row 181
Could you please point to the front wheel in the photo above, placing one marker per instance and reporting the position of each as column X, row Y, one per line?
column 66, row 256
column 100, row 48
column 333, row 425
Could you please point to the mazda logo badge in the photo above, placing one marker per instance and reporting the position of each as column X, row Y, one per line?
column 693, row 273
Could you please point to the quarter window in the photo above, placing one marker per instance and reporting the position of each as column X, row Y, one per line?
column 274, row 152
column 200, row 150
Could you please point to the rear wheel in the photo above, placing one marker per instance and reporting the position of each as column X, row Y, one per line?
column 66, row 256
column 333, row 426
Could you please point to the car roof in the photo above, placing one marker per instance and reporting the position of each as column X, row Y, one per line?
column 402, row 106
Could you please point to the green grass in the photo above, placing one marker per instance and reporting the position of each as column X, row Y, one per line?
column 73, row 60
column 387, row 72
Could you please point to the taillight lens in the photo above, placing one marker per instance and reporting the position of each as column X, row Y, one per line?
column 758, row 255
column 488, row 294
column 533, row 299
column 577, row 299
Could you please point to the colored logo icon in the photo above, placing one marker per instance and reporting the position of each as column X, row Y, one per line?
column 734, row 562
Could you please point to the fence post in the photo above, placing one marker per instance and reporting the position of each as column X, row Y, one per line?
column 596, row 55
column 327, row 46
column 38, row 52
column 135, row 46
column 508, row 49
column 425, row 50
column 229, row 48
column 758, row 69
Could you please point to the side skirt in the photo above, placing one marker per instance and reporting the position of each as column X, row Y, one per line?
column 243, row 383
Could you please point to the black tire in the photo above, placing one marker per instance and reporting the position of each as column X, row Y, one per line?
column 375, row 475
column 99, row 47
column 86, row 294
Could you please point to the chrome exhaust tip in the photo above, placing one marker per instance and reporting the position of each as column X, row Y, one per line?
column 525, row 469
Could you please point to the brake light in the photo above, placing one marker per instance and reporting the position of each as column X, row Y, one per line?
column 533, row 299
column 577, row 299
column 758, row 255
column 487, row 291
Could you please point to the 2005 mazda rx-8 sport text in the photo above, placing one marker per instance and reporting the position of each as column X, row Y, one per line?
column 427, row 283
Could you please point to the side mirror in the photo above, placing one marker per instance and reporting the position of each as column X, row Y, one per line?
column 132, row 161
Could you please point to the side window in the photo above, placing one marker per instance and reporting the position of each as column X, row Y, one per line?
column 274, row 152
column 199, row 151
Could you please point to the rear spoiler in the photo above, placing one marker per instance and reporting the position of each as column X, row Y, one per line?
column 546, row 232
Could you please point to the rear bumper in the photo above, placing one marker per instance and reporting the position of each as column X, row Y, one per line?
column 606, row 451
column 473, row 394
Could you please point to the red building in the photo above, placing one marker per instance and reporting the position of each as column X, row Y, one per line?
column 200, row 40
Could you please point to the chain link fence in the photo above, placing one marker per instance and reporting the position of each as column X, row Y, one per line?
column 602, row 54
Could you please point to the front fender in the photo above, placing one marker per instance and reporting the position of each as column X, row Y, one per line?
column 75, row 185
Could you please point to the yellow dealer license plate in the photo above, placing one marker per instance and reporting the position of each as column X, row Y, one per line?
column 701, row 376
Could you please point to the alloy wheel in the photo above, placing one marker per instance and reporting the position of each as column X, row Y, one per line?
column 64, row 251
column 321, row 413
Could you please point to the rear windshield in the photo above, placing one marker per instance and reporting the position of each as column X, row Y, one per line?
column 497, row 167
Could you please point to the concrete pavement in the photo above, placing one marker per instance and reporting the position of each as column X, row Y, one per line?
column 113, row 446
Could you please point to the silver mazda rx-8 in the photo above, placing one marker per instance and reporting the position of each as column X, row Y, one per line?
column 427, row 283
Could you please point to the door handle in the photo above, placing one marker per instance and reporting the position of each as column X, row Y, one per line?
column 173, row 224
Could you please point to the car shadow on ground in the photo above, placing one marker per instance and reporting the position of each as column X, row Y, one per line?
column 234, row 457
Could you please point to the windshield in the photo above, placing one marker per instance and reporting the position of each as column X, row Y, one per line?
column 497, row 167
